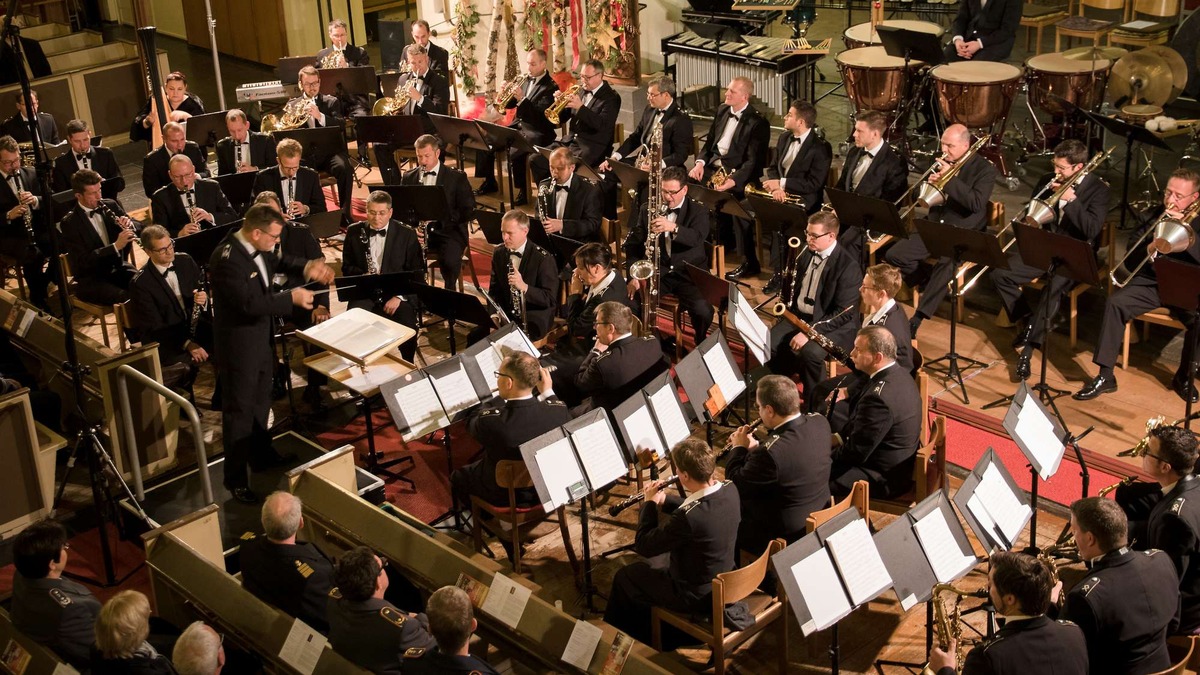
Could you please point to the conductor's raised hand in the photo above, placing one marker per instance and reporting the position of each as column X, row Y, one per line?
column 317, row 270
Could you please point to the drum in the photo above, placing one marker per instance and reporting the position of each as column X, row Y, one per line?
column 976, row 93
column 1080, row 83
column 1139, row 113
column 862, row 35
column 874, row 80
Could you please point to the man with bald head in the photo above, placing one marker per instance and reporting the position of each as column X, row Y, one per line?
column 156, row 163
column 198, row 651
column 188, row 205
column 965, row 206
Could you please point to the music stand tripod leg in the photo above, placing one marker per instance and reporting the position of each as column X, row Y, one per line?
column 375, row 465
column 953, row 370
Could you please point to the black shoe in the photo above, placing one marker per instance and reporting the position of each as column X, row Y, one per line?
column 1024, row 365
column 1022, row 337
column 744, row 270
column 488, row 186
column 270, row 460
column 1188, row 393
column 1101, row 384
column 519, row 197
column 243, row 494
column 914, row 324
column 774, row 284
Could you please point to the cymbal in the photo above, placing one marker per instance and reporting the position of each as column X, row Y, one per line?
column 1144, row 76
column 1177, row 65
column 1096, row 53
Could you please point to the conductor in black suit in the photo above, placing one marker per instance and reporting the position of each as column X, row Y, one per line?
column 428, row 92
column 679, row 236
column 884, row 430
column 826, row 284
column 984, row 30
column 156, row 164
column 569, row 203
column 439, row 58
column 243, row 150
column 162, row 298
column 326, row 111
column 1080, row 214
column 446, row 238
column 81, row 155
column 298, row 187
column 786, row 477
column 97, row 242
column 619, row 364
column 530, row 99
column 17, row 126
column 589, row 120
column 187, row 205
column 801, row 169
column 533, row 275
column 242, row 267
column 965, row 206
column 872, row 169
column 381, row 245
column 21, row 195
column 737, row 143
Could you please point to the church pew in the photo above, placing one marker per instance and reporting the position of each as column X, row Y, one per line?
column 17, row 646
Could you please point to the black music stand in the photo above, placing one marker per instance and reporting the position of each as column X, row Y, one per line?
column 1179, row 287
column 238, row 188
column 319, row 143
column 715, row 290
column 204, row 130
column 62, row 203
column 202, row 244
column 377, row 287
column 288, row 68
column 959, row 245
column 323, row 224
column 780, row 216
column 453, row 307
column 351, row 81
column 1132, row 133
column 869, row 214
column 395, row 130
column 505, row 139
column 630, row 177
column 721, row 33
column 717, row 202
column 909, row 45
column 460, row 133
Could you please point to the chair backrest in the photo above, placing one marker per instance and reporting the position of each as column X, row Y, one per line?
column 512, row 473
column 929, row 470
column 64, row 264
column 716, row 258
column 1105, row 5
column 121, row 315
column 734, row 586
column 1180, row 666
column 1160, row 9
column 996, row 213
column 859, row 498
column 923, row 389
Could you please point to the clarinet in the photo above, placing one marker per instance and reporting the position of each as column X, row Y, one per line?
column 616, row 509
column 197, row 308
column 516, row 296
column 106, row 212
column 28, row 217
column 366, row 242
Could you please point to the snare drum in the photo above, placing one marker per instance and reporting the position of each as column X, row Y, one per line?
column 874, row 80
column 863, row 35
column 1080, row 83
column 976, row 94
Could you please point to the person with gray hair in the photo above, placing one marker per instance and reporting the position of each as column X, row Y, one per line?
column 198, row 651
column 157, row 162
column 619, row 364
column 293, row 576
column 190, row 203
column 428, row 91
column 884, row 428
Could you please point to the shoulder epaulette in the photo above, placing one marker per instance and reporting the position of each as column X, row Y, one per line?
column 1066, row 622
column 988, row 644
column 1151, row 552
column 298, row 225
column 225, row 249
column 60, row 597
column 878, row 388
column 304, row 568
column 138, row 274
column 769, row 441
column 335, row 593
column 688, row 507
column 1177, row 505
column 414, row 652
column 554, row 401
column 604, row 354
column 490, row 412
column 539, row 249
column 393, row 616
column 1090, row 585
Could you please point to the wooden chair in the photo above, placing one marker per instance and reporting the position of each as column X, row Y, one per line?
column 1183, row 647
column 1080, row 26
column 995, row 221
column 922, row 379
column 730, row 587
column 433, row 259
column 12, row 266
column 859, row 498
column 929, row 473
column 124, row 325
column 1164, row 16
column 512, row 475
column 100, row 312
column 1159, row 316
column 1181, row 666
column 1035, row 18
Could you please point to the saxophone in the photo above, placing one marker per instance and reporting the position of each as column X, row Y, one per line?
column 948, row 625
column 560, row 103
column 516, row 297
column 649, row 270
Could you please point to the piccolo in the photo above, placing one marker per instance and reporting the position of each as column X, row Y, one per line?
column 616, row 509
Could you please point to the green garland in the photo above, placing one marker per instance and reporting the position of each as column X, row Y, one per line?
column 466, row 18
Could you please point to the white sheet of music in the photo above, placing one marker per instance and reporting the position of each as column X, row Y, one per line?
column 821, row 590
column 599, row 453
column 723, row 374
column 642, row 432
column 356, row 332
column 422, row 408
column 858, row 560
column 506, row 600
column 754, row 331
column 670, row 416
column 1036, row 431
column 941, row 548
column 582, row 645
column 1003, row 507
column 455, row 390
column 303, row 646
column 488, row 361
column 516, row 341
column 560, row 470
column 977, row 508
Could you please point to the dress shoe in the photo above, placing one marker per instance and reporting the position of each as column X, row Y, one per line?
column 914, row 324
column 1186, row 390
column 271, row 459
column 1024, row 365
column 743, row 270
column 774, row 284
column 243, row 494
column 1022, row 337
column 1101, row 384
column 487, row 187
column 519, row 197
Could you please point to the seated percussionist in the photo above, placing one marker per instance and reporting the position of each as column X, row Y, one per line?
column 447, row 238
column 97, row 234
column 188, row 205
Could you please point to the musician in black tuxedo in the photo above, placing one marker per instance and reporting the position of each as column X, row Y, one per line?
column 188, row 205
column 872, row 169
column 97, row 239
column 530, row 99
column 21, row 195
column 326, row 111
column 17, row 126
column 619, row 364
column 984, row 31
column 696, row 535
column 825, row 284
column 439, row 58
column 162, row 298
column 381, row 245
column 428, row 92
column 738, row 143
column 589, row 120
column 180, row 103
column 339, row 40
column 534, row 276
column 243, row 150
column 242, row 267
column 1080, row 214
column 569, row 203
column 680, row 234
column 884, row 430
column 786, row 477
column 1140, row 293
column 965, row 206
column 81, row 155
column 448, row 238
column 298, row 187
column 156, row 164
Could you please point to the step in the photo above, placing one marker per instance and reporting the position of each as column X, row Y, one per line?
column 71, row 42
column 91, row 56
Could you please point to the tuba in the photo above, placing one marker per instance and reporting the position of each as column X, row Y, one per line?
column 649, row 270
column 1175, row 235
column 560, row 103
column 295, row 115
column 933, row 193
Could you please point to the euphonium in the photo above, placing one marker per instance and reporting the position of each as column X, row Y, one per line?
column 394, row 104
column 295, row 115
column 1176, row 233
column 560, row 102
column 648, row 270
column 794, row 200
column 930, row 194
column 1040, row 212
column 508, row 91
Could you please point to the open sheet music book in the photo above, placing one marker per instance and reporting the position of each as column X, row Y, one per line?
column 423, row 401
column 483, row 358
column 1036, row 432
column 723, row 369
column 358, row 335
column 574, row 460
column 942, row 550
column 653, row 418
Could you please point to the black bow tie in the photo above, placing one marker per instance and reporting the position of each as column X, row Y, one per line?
column 429, row 173
column 381, row 232
column 83, row 157
column 187, row 192
column 674, row 210
column 255, row 254
column 796, row 139
column 736, row 116
column 561, row 187
column 170, row 269
column 515, row 254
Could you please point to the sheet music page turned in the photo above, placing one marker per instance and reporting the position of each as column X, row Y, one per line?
column 670, row 417
column 455, row 391
column 1036, row 430
column 822, row 591
column 858, row 560
column 723, row 374
column 642, row 432
column 422, row 408
column 1003, row 507
column 754, row 331
column 560, row 470
column 515, row 341
column 941, row 548
column 599, row 453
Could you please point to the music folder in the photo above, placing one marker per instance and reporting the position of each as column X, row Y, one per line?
column 995, row 508
column 358, row 335
column 653, row 418
column 483, row 358
column 722, row 367
column 204, row 130
column 943, row 540
column 574, row 460
column 414, row 404
column 1036, row 431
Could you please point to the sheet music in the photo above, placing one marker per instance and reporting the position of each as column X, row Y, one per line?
column 455, row 391
column 821, row 590
column 941, row 548
column 599, row 453
column 560, row 469
column 488, row 361
column 754, row 331
column 354, row 334
column 859, row 562
column 506, row 600
column 422, row 408
column 1036, row 432
column 979, row 511
column 670, row 417
column 516, row 341
column 723, row 374
column 1003, row 507
column 642, row 433
column 302, row 648
column 582, row 645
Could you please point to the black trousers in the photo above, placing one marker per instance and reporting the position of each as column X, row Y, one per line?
column 340, row 168
column 1139, row 297
column 1008, row 285
column 450, row 252
column 107, row 290
column 245, row 407
column 33, row 266
column 485, row 166
column 908, row 255
column 692, row 301
column 809, row 362
column 475, row 479
column 644, row 584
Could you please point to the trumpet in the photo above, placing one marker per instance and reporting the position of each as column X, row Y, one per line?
column 616, row 509
column 718, row 178
column 507, row 92
column 933, row 193
column 560, row 102
column 295, row 115
column 1175, row 235
column 792, row 200
column 729, row 446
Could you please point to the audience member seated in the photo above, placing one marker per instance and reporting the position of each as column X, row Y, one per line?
column 452, row 622
column 97, row 234
column 187, row 205
column 156, row 165
column 619, row 364
column 122, row 629
column 199, row 651
column 17, row 126
column 181, row 104
column 81, row 155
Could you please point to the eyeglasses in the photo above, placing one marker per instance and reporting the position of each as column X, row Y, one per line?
column 865, row 287
column 170, row 245
column 499, row 375
column 274, row 237
column 601, row 323
column 672, row 193
column 813, row 237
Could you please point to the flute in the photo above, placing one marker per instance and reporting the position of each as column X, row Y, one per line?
column 729, row 446
column 616, row 509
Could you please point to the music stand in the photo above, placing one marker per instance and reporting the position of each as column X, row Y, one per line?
column 395, row 130
column 460, row 133
column 289, row 67
column 582, row 168
column 630, row 177
column 959, row 245
column 869, row 214
column 351, row 81
column 715, row 290
column 1179, row 287
column 323, row 224
column 204, row 130
column 202, row 244
column 238, row 188
column 414, row 203
column 319, row 143
column 62, row 203
column 453, row 307
column 1132, row 133
column 910, row 44
column 505, row 139
column 770, row 213
column 719, row 32
column 489, row 224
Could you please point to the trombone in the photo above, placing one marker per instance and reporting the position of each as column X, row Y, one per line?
column 1167, row 235
column 931, row 194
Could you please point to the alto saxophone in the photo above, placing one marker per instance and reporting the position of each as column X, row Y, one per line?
column 516, row 297
column 948, row 625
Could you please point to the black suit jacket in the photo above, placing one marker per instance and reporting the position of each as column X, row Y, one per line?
column 308, row 187
column 677, row 135
column 701, row 539
column 19, row 128
column 531, row 111
column 502, row 426
column 1148, row 274
column 439, row 58
column 782, row 481
column 169, row 211
column 331, row 107
column 156, row 313
column 590, row 129
column 895, row 320
column 262, row 153
column 581, row 214
column 355, row 55
column 15, row 228
column 581, row 311
column 837, row 290
column 156, row 166
column 747, row 151
column 1083, row 217
column 967, row 195
column 884, row 431
column 1036, row 645
column 90, row 257
column 435, row 92
column 886, row 178
column 459, row 197
column 612, row 376
column 687, row 244
column 102, row 161
column 295, row 578
column 296, row 241
column 191, row 105
column 540, row 271
column 1174, row 527
column 401, row 253
column 809, row 171
column 995, row 24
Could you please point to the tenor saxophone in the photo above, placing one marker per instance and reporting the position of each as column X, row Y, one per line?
column 948, row 625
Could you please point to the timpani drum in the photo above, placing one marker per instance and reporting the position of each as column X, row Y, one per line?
column 864, row 35
column 976, row 94
column 874, row 80
column 1053, row 76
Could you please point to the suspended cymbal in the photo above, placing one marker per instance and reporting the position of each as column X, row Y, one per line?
column 1142, row 77
column 1177, row 66
column 1095, row 53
